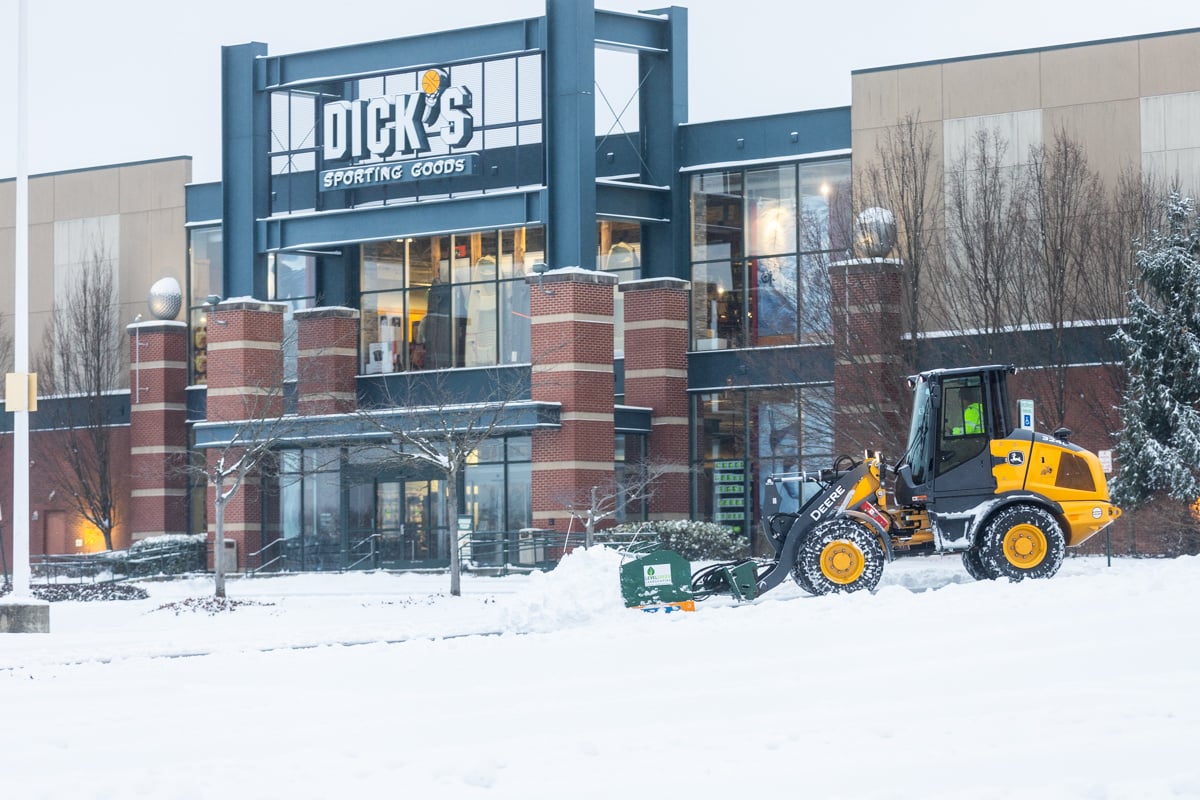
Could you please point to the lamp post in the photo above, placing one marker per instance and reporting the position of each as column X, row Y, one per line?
column 21, row 320
column 21, row 613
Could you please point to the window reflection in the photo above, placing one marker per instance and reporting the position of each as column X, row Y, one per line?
column 743, row 436
column 762, row 242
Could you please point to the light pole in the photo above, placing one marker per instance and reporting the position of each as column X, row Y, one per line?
column 21, row 613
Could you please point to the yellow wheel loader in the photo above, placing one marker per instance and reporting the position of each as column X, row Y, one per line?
column 970, row 481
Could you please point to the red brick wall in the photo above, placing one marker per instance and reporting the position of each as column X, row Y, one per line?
column 42, row 446
column 572, row 354
column 245, row 359
column 656, row 344
column 158, row 432
column 327, row 362
column 245, row 372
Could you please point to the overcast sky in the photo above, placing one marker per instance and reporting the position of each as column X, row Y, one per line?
column 129, row 80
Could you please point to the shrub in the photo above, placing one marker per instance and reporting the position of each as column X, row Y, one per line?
column 692, row 539
column 165, row 555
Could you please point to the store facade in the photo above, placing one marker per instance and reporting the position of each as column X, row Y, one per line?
column 384, row 218
column 452, row 192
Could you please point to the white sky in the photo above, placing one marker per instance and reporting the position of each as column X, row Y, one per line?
column 129, row 80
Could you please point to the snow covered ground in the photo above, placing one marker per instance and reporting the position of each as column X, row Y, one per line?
column 544, row 686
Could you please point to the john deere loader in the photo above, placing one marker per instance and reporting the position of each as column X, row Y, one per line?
column 970, row 481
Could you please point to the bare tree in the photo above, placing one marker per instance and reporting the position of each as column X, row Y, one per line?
column 239, row 441
column 906, row 179
column 81, row 363
column 611, row 498
column 247, row 449
column 981, row 291
column 1065, row 201
column 1132, row 210
column 424, row 423
column 6, row 347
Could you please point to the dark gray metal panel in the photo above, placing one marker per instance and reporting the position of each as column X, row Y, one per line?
column 617, row 156
column 775, row 366
column 432, row 49
column 202, row 202
column 633, row 201
column 793, row 134
column 197, row 403
column 1083, row 345
column 637, row 31
column 479, row 212
column 571, row 133
column 627, row 419
column 317, row 431
column 663, row 101
column 452, row 386
column 245, row 130
column 77, row 412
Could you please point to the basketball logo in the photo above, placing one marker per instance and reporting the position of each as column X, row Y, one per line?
column 431, row 81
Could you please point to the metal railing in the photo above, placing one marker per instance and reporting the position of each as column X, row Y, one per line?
column 170, row 558
column 264, row 564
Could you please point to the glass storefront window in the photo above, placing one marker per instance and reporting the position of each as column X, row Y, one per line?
column 796, row 223
column 771, row 211
column 205, row 277
column 619, row 250
column 396, row 512
column 742, row 436
column 310, row 511
column 447, row 301
column 717, row 218
column 291, row 280
column 717, row 299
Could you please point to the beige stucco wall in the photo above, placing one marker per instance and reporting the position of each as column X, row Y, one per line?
column 147, row 197
column 1094, row 91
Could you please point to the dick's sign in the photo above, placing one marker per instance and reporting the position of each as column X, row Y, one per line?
column 377, row 128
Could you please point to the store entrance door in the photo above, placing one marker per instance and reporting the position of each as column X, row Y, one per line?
column 407, row 524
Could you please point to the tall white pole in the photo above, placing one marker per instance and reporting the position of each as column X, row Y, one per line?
column 20, row 524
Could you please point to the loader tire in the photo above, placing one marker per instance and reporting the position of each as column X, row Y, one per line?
column 973, row 564
column 841, row 555
column 801, row 579
column 1022, row 542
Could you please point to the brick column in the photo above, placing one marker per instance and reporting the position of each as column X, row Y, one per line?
column 158, row 376
column 572, row 354
column 868, row 373
column 656, row 344
column 327, row 361
column 245, row 371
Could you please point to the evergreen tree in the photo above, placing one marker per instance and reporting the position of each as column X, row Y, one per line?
column 1159, row 447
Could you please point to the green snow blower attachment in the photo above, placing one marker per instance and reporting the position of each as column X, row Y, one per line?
column 656, row 580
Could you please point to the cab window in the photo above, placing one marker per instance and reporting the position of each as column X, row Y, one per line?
column 963, row 428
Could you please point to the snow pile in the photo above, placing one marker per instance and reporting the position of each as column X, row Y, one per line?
column 585, row 585
column 1089, row 678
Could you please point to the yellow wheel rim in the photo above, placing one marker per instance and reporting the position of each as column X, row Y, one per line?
column 842, row 562
column 1025, row 546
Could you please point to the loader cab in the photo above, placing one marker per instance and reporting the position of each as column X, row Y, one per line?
column 956, row 415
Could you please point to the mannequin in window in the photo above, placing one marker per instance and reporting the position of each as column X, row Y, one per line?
column 621, row 257
column 436, row 324
column 481, row 314
column 515, row 315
